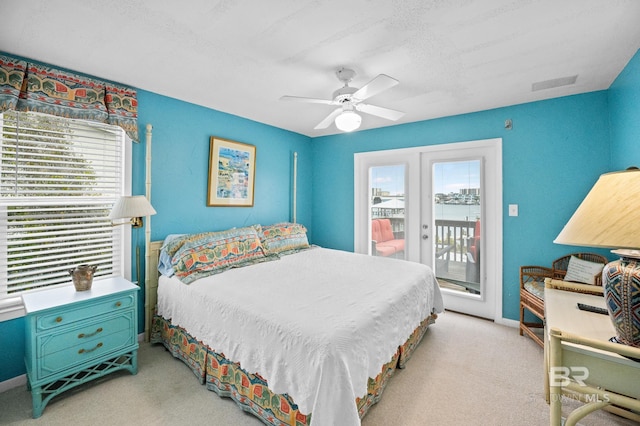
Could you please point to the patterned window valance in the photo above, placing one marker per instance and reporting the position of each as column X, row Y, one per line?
column 25, row 86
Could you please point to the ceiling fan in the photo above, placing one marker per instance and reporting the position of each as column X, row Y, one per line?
column 350, row 100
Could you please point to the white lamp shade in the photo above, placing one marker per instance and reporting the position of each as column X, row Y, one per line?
column 609, row 216
column 348, row 121
column 131, row 206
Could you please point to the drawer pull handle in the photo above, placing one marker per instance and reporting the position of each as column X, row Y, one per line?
column 82, row 335
column 59, row 319
column 86, row 351
column 118, row 304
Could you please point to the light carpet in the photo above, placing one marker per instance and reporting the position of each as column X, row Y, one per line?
column 466, row 371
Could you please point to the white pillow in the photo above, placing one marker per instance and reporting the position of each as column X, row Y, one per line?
column 582, row 271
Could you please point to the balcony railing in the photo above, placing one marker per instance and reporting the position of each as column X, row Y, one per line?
column 452, row 247
column 452, row 234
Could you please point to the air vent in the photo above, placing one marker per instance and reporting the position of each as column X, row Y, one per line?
column 556, row 82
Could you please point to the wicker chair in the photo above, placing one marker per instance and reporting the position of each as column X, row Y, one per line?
column 532, row 289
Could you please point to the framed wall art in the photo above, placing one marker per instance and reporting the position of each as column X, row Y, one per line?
column 232, row 167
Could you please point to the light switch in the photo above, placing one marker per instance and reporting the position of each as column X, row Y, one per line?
column 513, row 210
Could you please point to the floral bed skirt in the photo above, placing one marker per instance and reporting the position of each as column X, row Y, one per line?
column 250, row 391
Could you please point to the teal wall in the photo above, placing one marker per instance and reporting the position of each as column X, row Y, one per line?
column 624, row 110
column 12, row 341
column 180, row 164
column 551, row 158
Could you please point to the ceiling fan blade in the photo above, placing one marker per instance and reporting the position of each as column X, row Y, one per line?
column 389, row 114
column 308, row 100
column 329, row 119
column 381, row 83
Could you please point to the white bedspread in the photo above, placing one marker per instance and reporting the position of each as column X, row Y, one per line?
column 315, row 324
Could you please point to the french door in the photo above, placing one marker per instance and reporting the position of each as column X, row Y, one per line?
column 440, row 205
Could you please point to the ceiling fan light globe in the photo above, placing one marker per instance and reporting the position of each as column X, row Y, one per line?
column 348, row 121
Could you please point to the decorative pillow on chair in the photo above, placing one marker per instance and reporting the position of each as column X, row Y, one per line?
column 284, row 238
column 582, row 271
column 536, row 288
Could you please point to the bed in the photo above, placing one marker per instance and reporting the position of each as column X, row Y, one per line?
column 295, row 334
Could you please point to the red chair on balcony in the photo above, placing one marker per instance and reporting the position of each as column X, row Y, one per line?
column 383, row 241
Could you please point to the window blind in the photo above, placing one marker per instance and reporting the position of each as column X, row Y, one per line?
column 59, row 179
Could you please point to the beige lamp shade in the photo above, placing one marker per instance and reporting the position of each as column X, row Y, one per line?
column 131, row 207
column 609, row 216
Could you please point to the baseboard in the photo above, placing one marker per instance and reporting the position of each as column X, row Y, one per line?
column 501, row 321
column 508, row 322
column 13, row 383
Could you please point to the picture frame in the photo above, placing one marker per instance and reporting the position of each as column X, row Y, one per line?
column 232, row 167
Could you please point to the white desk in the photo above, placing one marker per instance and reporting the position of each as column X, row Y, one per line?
column 580, row 362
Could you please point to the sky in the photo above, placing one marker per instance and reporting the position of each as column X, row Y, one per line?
column 448, row 176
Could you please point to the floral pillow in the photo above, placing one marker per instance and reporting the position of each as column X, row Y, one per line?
column 164, row 260
column 284, row 238
column 200, row 255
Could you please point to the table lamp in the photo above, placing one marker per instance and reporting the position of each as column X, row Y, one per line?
column 609, row 217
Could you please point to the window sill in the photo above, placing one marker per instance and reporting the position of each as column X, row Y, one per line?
column 11, row 308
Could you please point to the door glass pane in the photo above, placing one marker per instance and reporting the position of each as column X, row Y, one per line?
column 386, row 201
column 457, row 212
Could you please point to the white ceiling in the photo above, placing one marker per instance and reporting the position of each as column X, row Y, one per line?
column 241, row 56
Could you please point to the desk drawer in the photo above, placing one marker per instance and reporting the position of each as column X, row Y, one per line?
column 60, row 352
column 86, row 310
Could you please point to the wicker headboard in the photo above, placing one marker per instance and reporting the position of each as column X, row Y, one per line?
column 151, row 286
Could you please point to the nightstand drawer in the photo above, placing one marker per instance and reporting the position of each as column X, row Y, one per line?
column 70, row 316
column 84, row 335
column 66, row 350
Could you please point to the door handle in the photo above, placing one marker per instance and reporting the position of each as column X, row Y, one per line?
column 425, row 236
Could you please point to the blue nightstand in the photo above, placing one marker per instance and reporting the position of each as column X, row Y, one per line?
column 73, row 337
